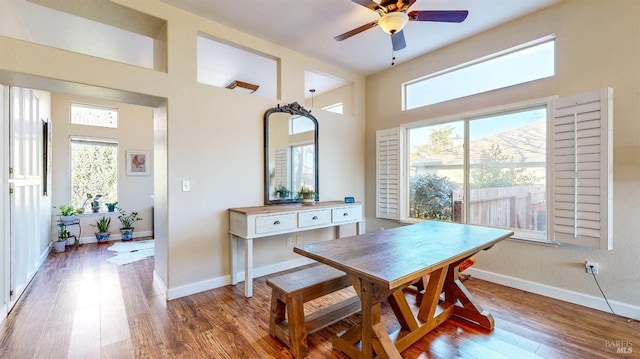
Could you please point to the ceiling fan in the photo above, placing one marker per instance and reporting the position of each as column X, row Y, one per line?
column 393, row 18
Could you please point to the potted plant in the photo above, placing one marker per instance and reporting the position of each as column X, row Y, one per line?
column 127, row 221
column 281, row 192
column 67, row 213
column 94, row 200
column 111, row 206
column 102, row 224
column 307, row 194
column 63, row 236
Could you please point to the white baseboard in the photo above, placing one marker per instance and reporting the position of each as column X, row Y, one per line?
column 197, row 287
column 218, row 282
column 158, row 282
column 621, row 309
column 117, row 236
column 4, row 312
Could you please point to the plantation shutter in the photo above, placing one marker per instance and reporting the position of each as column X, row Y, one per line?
column 581, row 191
column 388, row 175
column 281, row 171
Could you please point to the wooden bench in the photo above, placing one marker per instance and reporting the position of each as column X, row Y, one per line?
column 289, row 293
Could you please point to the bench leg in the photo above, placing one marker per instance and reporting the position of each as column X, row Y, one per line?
column 278, row 309
column 297, row 330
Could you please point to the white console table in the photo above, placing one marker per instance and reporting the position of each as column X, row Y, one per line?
column 249, row 223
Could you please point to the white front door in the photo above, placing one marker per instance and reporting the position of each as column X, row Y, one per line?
column 25, row 182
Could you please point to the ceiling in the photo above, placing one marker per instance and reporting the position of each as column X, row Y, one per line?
column 308, row 26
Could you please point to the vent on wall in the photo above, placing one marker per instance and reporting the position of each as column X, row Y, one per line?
column 243, row 86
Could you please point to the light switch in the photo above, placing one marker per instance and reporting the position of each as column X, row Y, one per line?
column 186, row 186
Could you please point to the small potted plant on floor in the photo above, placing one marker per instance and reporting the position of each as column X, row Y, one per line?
column 63, row 236
column 102, row 224
column 127, row 221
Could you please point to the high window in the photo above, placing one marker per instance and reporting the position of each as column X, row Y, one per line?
column 94, row 170
column 93, row 115
column 337, row 108
column 527, row 62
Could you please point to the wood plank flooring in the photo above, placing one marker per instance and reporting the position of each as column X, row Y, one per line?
column 81, row 306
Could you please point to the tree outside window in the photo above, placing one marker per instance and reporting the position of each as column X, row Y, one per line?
column 94, row 170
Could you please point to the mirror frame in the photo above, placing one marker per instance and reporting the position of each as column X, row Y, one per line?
column 293, row 109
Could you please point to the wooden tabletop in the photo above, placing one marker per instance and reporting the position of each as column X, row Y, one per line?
column 397, row 256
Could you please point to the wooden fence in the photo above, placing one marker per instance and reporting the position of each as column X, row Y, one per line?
column 522, row 207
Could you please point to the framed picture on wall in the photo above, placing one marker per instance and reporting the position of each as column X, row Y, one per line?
column 137, row 163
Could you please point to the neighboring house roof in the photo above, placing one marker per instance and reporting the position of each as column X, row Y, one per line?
column 526, row 144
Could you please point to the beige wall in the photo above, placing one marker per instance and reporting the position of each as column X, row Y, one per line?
column 596, row 47
column 134, row 132
column 208, row 135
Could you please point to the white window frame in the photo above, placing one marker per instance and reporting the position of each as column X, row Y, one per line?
column 468, row 89
column 93, row 141
column 95, row 107
column 600, row 101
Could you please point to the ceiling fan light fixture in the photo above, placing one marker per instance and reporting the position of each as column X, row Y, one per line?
column 393, row 22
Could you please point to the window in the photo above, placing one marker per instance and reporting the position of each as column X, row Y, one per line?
column 524, row 63
column 300, row 124
column 302, row 166
column 504, row 169
column 337, row 108
column 93, row 115
column 94, row 170
column 503, row 178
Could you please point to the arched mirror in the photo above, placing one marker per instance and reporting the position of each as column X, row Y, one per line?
column 290, row 153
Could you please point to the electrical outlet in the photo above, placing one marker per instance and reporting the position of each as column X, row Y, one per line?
column 186, row 185
column 289, row 241
column 298, row 240
column 591, row 267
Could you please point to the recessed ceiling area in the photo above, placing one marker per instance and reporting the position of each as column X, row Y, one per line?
column 310, row 26
column 32, row 22
column 220, row 64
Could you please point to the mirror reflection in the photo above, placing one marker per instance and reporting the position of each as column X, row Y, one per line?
column 291, row 154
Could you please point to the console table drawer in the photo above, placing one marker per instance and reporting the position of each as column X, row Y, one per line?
column 346, row 214
column 314, row 218
column 275, row 223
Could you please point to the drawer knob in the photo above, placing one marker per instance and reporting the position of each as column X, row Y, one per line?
column 345, row 214
column 276, row 223
column 314, row 218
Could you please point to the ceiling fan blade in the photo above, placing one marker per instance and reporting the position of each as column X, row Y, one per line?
column 408, row 4
column 367, row 3
column 397, row 39
column 438, row 15
column 357, row 30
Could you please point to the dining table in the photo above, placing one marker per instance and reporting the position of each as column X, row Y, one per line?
column 387, row 265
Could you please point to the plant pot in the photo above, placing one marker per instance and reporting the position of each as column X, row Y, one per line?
column 127, row 233
column 59, row 246
column 102, row 237
column 111, row 208
column 69, row 219
column 308, row 201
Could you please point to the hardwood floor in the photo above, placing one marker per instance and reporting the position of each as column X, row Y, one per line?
column 80, row 306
